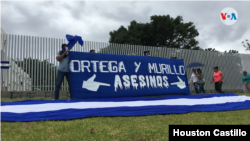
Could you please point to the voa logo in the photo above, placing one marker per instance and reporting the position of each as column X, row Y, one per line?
column 228, row 16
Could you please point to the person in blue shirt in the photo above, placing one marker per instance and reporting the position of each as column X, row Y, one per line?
column 246, row 80
column 63, row 69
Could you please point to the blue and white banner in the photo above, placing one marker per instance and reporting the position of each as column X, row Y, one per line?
column 95, row 75
column 36, row 110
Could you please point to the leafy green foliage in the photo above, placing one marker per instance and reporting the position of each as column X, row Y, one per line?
column 211, row 49
column 232, row 51
column 246, row 45
column 162, row 31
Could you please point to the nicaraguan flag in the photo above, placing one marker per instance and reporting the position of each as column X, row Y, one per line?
column 35, row 110
column 5, row 65
column 71, row 41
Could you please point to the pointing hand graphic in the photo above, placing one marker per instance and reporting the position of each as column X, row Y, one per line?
column 180, row 84
column 91, row 85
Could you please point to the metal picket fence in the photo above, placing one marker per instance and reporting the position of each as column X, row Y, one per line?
column 34, row 65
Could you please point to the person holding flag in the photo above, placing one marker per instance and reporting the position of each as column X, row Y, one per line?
column 63, row 69
column 63, row 59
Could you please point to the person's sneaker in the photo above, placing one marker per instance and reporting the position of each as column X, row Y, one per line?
column 54, row 99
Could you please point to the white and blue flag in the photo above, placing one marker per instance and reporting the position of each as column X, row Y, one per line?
column 37, row 110
column 5, row 64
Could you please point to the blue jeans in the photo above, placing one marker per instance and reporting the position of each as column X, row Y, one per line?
column 201, row 87
column 59, row 80
column 196, row 89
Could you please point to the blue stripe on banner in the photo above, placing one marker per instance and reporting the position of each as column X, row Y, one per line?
column 35, row 110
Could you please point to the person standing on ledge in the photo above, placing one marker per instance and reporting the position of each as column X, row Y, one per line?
column 246, row 80
column 63, row 69
column 217, row 79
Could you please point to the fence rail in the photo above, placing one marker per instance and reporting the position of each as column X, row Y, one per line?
column 34, row 66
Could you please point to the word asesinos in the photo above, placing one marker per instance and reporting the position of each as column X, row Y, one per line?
column 112, row 67
column 154, row 82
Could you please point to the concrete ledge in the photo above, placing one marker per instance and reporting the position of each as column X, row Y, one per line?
column 225, row 91
column 32, row 94
column 40, row 94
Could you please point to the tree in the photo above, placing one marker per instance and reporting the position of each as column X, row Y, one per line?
column 247, row 45
column 211, row 49
column 162, row 31
column 214, row 50
column 232, row 51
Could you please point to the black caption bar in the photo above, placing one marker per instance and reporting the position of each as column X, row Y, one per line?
column 215, row 132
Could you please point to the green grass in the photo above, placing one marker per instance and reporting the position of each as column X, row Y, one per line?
column 137, row 128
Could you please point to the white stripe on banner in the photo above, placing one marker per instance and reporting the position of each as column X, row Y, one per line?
column 89, row 105
column 4, row 65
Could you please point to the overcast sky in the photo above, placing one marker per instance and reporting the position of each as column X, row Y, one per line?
column 94, row 20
